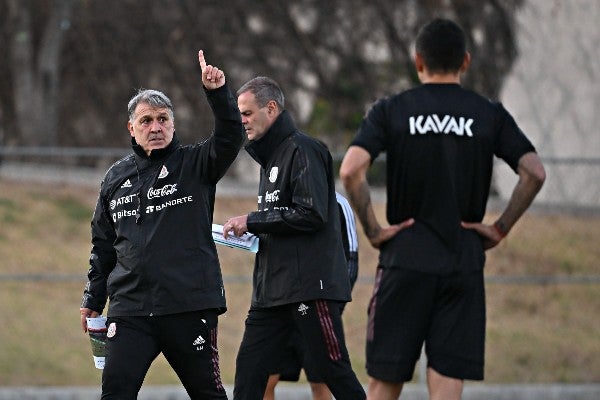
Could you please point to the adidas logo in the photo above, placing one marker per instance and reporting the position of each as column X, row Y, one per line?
column 127, row 184
column 199, row 342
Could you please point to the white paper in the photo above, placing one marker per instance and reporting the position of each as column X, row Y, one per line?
column 247, row 241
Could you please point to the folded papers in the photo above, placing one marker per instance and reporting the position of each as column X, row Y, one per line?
column 247, row 241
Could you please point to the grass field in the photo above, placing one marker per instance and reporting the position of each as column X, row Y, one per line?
column 536, row 333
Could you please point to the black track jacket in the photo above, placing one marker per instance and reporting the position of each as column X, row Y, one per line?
column 301, row 256
column 152, row 247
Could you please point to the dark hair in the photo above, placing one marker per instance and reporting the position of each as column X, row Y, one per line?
column 441, row 43
column 264, row 90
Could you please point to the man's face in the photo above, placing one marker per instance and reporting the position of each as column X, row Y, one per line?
column 256, row 120
column 151, row 127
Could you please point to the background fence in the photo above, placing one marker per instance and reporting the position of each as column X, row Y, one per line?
column 572, row 185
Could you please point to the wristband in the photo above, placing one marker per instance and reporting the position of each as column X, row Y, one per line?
column 499, row 228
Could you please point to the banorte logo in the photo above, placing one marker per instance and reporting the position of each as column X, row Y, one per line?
column 161, row 192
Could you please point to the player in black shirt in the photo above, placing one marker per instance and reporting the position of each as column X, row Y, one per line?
column 440, row 141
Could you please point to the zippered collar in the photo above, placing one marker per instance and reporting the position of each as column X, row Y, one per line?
column 144, row 159
column 262, row 149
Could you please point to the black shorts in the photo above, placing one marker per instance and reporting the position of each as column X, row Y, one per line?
column 267, row 333
column 408, row 308
column 297, row 356
column 292, row 358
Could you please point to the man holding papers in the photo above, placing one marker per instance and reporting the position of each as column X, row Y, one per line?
column 300, row 275
column 245, row 242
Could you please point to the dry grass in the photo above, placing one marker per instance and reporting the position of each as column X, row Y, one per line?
column 538, row 333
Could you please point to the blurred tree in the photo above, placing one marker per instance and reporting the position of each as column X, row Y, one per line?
column 332, row 58
column 34, row 36
column 343, row 54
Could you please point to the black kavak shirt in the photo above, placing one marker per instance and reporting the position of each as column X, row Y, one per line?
column 440, row 141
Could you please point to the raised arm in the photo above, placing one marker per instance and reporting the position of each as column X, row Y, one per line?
column 228, row 135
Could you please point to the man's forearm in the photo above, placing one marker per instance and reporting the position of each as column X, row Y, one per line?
column 359, row 195
column 531, row 178
column 228, row 133
column 353, row 173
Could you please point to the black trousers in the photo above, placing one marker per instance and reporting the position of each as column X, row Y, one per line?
column 267, row 333
column 187, row 340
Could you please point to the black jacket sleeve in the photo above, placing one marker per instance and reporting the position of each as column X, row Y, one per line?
column 228, row 135
column 102, row 261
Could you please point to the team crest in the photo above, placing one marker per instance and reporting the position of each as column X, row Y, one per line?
column 273, row 174
column 302, row 309
column 163, row 172
column 112, row 330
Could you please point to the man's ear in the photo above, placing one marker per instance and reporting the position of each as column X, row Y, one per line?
column 130, row 128
column 419, row 63
column 273, row 109
column 466, row 62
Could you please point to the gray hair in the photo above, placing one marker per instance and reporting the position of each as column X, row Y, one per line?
column 264, row 90
column 152, row 97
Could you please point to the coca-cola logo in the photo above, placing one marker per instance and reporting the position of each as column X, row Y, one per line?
column 272, row 197
column 161, row 192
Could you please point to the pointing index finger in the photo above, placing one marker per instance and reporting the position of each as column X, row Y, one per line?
column 201, row 60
